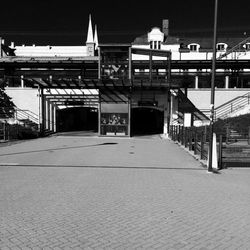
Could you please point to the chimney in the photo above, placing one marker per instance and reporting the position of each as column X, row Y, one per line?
column 165, row 27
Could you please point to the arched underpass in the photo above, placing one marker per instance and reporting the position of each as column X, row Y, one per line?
column 146, row 121
column 77, row 119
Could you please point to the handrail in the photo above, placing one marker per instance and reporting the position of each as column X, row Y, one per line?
column 232, row 105
column 237, row 97
column 26, row 114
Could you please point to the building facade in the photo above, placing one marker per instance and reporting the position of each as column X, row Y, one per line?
column 123, row 89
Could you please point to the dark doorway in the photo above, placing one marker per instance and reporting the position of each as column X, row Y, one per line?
column 77, row 119
column 146, row 121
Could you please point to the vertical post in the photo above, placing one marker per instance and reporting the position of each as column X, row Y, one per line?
column 220, row 152
column 190, row 138
column 227, row 135
column 54, row 114
column 196, row 82
column 195, row 142
column 202, row 145
column 129, row 116
column 150, row 66
column 169, row 70
column 22, row 81
column 129, row 64
column 47, row 114
column 99, row 116
column 4, row 131
column 210, row 168
column 52, row 117
column 43, row 108
column 226, row 82
column 185, row 137
column 99, row 63
column 248, row 136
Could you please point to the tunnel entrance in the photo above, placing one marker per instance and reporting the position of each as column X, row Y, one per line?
column 146, row 121
column 77, row 119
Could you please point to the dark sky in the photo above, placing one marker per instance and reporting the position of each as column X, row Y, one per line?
column 54, row 22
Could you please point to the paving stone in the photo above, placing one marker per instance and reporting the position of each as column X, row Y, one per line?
column 94, row 195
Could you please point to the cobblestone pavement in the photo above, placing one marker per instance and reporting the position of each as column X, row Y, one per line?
column 108, row 193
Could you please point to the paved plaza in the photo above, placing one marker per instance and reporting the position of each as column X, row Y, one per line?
column 82, row 192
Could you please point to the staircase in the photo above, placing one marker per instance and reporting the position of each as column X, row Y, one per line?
column 27, row 118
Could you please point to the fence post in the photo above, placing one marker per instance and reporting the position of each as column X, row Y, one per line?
column 220, row 152
column 8, row 132
column 178, row 133
column 175, row 132
column 202, row 145
column 190, row 138
column 181, row 135
column 185, row 137
column 4, row 131
column 195, row 141
column 227, row 135
column 248, row 136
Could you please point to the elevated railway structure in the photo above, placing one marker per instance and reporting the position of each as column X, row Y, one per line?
column 116, row 79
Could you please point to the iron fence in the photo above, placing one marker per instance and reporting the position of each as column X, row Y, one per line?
column 193, row 138
column 232, row 150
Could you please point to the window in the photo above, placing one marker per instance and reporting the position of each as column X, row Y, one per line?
column 247, row 46
column 221, row 47
column 159, row 45
column 193, row 47
column 155, row 44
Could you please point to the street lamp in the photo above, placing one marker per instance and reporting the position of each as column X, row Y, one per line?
column 210, row 167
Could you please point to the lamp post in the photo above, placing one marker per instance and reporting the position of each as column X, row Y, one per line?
column 210, row 167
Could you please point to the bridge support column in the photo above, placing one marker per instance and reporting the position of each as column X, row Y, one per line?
column 22, row 81
column 167, row 114
column 54, row 118
column 43, row 113
column 47, row 115
column 226, row 82
column 51, row 126
column 196, row 82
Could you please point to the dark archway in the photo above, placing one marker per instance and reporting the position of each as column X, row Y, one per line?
column 146, row 121
column 77, row 119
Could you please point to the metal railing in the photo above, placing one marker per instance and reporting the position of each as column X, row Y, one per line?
column 232, row 151
column 24, row 114
column 231, row 106
column 192, row 138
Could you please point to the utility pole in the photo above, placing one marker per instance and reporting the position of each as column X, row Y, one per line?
column 210, row 168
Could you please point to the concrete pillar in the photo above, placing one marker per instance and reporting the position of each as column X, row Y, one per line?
column 166, row 119
column 54, row 115
column 167, row 113
column 226, row 82
column 47, row 114
column 22, row 81
column 51, row 126
column 196, row 82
